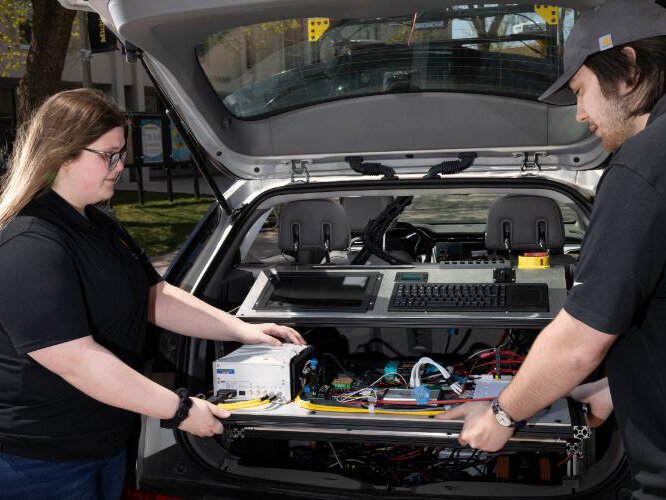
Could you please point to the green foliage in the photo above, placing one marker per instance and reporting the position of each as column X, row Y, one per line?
column 159, row 226
column 13, row 14
column 230, row 39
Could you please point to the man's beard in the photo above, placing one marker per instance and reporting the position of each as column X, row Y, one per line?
column 618, row 124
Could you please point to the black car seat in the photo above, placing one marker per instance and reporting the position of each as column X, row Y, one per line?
column 520, row 223
column 314, row 232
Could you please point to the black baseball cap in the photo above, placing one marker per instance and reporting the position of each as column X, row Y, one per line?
column 609, row 25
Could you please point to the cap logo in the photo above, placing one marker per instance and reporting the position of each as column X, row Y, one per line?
column 606, row 42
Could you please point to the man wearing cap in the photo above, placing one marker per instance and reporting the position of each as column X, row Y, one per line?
column 615, row 71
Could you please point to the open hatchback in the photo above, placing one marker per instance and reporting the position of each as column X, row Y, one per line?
column 403, row 200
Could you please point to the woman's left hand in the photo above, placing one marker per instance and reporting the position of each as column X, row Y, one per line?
column 268, row 333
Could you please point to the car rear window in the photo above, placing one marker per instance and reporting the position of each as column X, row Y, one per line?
column 511, row 50
column 460, row 209
column 456, row 209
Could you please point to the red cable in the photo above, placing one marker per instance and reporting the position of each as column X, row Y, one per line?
column 414, row 403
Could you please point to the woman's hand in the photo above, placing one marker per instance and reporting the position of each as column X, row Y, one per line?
column 597, row 395
column 267, row 333
column 181, row 312
column 202, row 420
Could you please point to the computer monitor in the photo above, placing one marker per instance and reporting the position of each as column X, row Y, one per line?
column 319, row 291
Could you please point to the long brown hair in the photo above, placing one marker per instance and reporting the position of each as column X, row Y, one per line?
column 57, row 132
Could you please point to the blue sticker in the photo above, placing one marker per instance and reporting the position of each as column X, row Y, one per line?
column 229, row 371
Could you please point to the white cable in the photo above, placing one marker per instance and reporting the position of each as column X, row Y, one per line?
column 349, row 396
column 415, row 379
column 335, row 455
column 490, row 349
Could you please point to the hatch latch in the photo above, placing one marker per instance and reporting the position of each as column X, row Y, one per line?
column 299, row 171
column 530, row 165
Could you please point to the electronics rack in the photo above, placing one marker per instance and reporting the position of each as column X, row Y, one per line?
column 543, row 433
column 562, row 429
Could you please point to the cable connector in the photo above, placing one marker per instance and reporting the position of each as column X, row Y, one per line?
column 421, row 395
column 222, row 395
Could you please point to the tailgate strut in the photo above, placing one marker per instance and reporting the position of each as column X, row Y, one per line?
column 186, row 133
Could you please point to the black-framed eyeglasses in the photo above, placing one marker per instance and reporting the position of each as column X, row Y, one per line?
column 112, row 158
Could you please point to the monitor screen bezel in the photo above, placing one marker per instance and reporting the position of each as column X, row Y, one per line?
column 369, row 298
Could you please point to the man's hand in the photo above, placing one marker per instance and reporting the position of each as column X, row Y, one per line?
column 267, row 333
column 202, row 420
column 481, row 430
column 597, row 395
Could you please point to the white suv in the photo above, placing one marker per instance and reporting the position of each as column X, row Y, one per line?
column 429, row 210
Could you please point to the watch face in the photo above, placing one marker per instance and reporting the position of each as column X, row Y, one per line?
column 503, row 418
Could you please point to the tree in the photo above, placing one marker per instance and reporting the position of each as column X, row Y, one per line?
column 51, row 31
column 482, row 31
column 13, row 18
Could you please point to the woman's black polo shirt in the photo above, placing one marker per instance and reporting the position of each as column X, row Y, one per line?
column 62, row 277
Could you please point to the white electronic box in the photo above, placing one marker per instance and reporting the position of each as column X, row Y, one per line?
column 261, row 370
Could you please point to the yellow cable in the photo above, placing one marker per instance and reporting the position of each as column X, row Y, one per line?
column 242, row 407
column 235, row 403
column 312, row 406
column 253, row 403
column 243, row 404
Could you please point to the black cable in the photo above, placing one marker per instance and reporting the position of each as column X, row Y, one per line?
column 366, row 346
column 374, row 232
column 358, row 165
column 448, row 343
column 464, row 161
column 337, row 362
column 463, row 341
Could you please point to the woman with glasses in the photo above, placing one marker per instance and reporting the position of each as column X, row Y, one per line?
column 75, row 297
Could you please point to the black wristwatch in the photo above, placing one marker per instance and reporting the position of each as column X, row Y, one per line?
column 181, row 413
column 503, row 418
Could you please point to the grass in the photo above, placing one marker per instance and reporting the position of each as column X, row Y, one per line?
column 159, row 226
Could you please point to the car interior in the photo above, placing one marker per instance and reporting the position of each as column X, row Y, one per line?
column 404, row 201
column 411, row 302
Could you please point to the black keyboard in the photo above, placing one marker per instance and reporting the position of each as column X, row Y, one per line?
column 515, row 297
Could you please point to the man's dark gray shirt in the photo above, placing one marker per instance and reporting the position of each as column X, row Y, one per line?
column 620, row 289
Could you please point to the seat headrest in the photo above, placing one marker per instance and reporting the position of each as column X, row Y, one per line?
column 530, row 223
column 313, row 225
column 360, row 209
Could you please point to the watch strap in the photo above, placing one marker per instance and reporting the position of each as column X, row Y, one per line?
column 182, row 411
column 515, row 424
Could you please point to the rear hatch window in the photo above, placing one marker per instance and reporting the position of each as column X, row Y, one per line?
column 509, row 50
